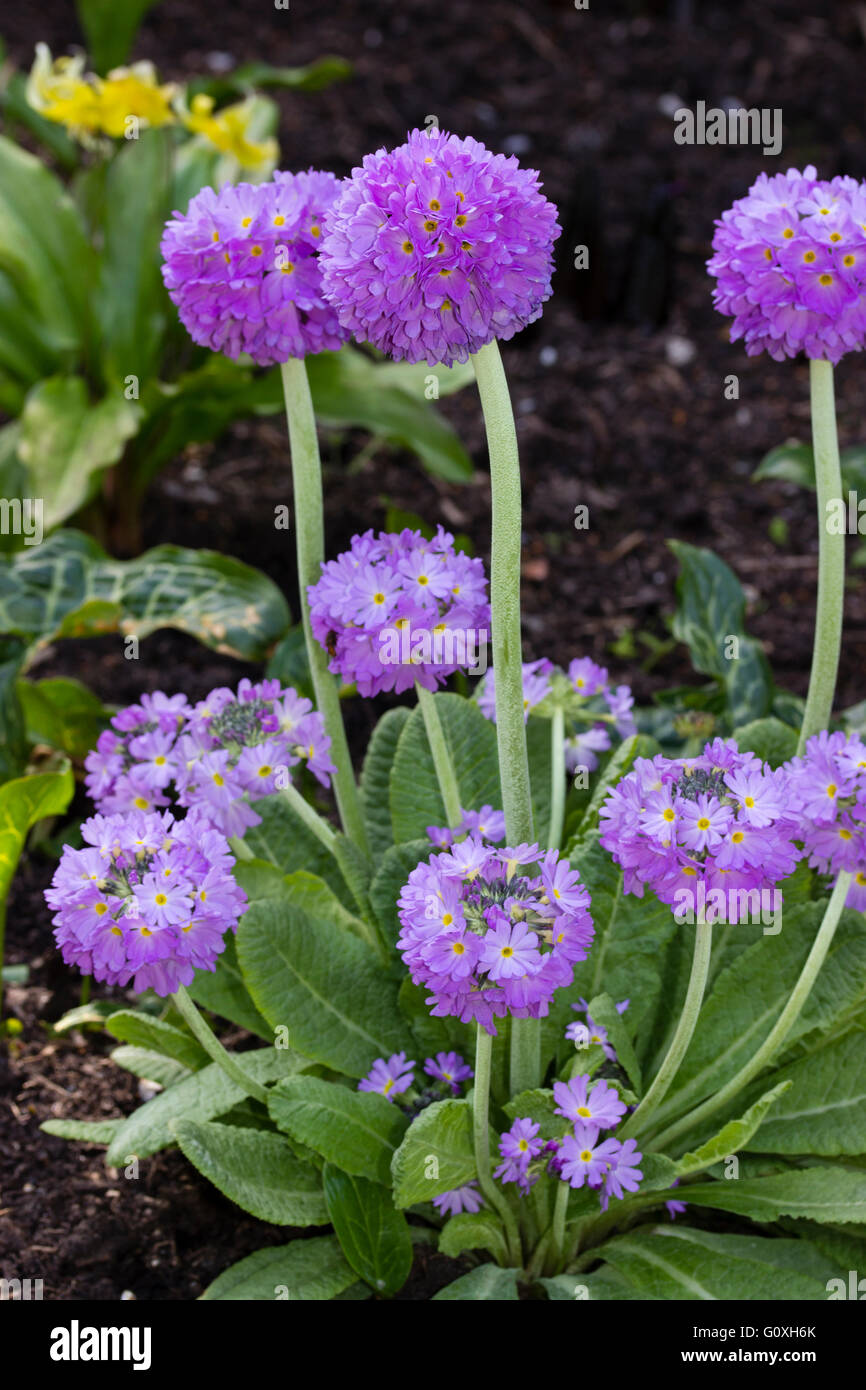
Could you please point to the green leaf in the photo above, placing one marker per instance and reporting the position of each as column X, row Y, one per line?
column 256, row 1170
column 473, row 1230
column 376, row 775
column 68, row 587
column 283, row 839
column 485, row 1282
column 432, row 1034
column 23, row 802
column 602, row 1010
column 13, row 735
column 85, row 1131
column 67, row 444
column 824, row 1111
column 539, row 1106
column 150, row 1065
column 770, row 739
column 733, row 1136
column 358, row 1130
column 110, row 29
column 710, row 611
column 391, row 877
column 328, row 987
column 436, row 1155
column 45, row 253
column 323, row 72
column 416, row 800
column 829, row 1194
column 224, row 991
column 348, row 389
column 63, row 714
column 131, row 303
column 678, row 1262
column 791, row 462
column 303, row 1271
column 202, row 1096
column 144, row 1031
column 750, row 994
column 374, row 1237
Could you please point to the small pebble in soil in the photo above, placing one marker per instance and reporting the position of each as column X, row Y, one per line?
column 679, row 351
column 526, row 405
column 548, row 356
column 516, row 144
column 669, row 104
column 372, row 38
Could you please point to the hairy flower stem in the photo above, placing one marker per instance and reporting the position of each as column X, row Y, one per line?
column 682, row 1037
column 312, row 820
column 214, row 1048
column 782, row 1027
column 557, row 778
column 310, row 533
column 441, row 756
column 481, row 1140
column 507, row 651
column 556, row 1251
column 831, row 556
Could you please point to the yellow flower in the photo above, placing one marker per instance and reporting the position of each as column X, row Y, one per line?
column 229, row 130
column 134, row 91
column 59, row 91
column 88, row 105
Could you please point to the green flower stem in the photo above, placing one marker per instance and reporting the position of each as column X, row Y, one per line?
column 557, row 778
column 507, row 651
column 214, row 1048
column 481, row 1140
column 312, row 820
column 239, row 849
column 682, row 1037
column 557, row 1240
column 441, row 756
column 782, row 1027
column 310, row 532
column 831, row 556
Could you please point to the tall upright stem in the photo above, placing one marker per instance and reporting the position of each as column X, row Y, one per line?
column 831, row 555
column 445, row 773
column 557, row 778
column 781, row 1028
column 481, row 1141
column 310, row 533
column 682, row 1037
column 214, row 1048
column 507, row 653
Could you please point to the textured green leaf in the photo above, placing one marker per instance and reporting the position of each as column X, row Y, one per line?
column 391, row 877
column 831, row 1194
column 23, row 802
column 149, row 1065
column 374, row 1237
column 436, row 1155
column 202, row 1096
column 256, row 1170
column 224, row 991
column 69, row 587
column 711, row 611
column 357, row 1130
column 770, row 739
column 282, row 839
column 63, row 714
column 732, row 1136
column 312, row 1270
column 416, row 801
column 824, row 1110
column 376, row 778
column 432, row 1034
column 473, row 1230
column 485, row 1282
column 85, row 1131
column 539, row 1106
column 678, row 1262
column 328, row 987
column 110, row 29
column 144, row 1031
column 602, row 1010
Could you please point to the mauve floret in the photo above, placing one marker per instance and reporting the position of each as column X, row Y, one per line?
column 242, row 266
column 437, row 247
column 827, row 791
column 790, row 265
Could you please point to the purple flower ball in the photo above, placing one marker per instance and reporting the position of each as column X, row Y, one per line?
column 437, row 247
column 790, row 262
column 149, row 899
column 242, row 265
column 397, row 608
column 827, row 788
column 493, row 931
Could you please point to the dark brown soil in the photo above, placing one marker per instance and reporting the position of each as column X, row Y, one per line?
column 619, row 393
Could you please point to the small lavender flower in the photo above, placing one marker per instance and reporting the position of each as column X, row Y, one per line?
column 790, row 262
column 437, row 247
column 582, row 1103
column 397, row 608
column 584, row 1159
column 465, row 1198
column 675, row 1208
column 487, row 939
column 827, row 791
column 149, row 900
column 450, row 1068
column 518, row 1146
column 243, row 268
column 389, row 1078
